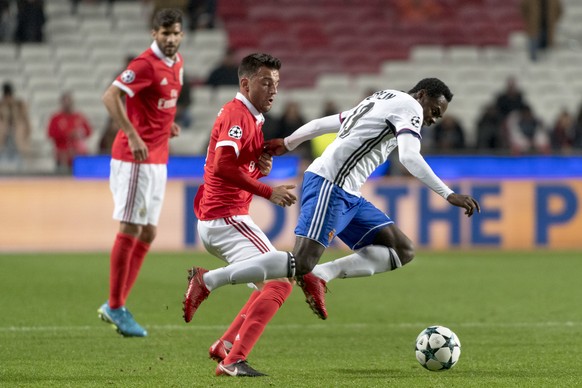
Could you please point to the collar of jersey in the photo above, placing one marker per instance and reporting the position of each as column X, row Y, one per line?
column 168, row 61
column 258, row 115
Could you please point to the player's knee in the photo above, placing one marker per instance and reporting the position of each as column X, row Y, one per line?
column 148, row 234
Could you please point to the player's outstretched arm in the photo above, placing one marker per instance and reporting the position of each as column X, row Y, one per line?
column 314, row 128
column 467, row 202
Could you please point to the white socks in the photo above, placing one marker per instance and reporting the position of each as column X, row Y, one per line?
column 367, row 261
column 270, row 265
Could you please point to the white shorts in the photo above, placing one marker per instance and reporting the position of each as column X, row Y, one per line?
column 234, row 239
column 138, row 191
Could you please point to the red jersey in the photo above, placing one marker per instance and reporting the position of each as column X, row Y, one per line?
column 239, row 126
column 152, row 83
column 69, row 132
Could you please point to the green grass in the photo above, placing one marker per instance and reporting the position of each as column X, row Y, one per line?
column 518, row 315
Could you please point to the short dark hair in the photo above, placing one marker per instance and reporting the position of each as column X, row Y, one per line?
column 166, row 18
column 253, row 62
column 434, row 87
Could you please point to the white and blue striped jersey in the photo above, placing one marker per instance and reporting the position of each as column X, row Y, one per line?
column 366, row 138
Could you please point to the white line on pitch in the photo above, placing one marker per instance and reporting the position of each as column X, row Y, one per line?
column 323, row 326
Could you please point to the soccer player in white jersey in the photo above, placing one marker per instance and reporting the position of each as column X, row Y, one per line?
column 331, row 202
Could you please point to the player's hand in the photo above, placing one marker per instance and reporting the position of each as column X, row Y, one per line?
column 275, row 147
column 467, row 202
column 282, row 196
column 175, row 130
column 138, row 148
column 265, row 163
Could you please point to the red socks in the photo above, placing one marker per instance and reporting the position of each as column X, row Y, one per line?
column 126, row 259
column 234, row 327
column 119, row 268
column 139, row 253
column 258, row 315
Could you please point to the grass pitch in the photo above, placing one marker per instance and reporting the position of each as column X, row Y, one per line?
column 518, row 315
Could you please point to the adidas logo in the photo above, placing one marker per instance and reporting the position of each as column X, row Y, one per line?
column 164, row 81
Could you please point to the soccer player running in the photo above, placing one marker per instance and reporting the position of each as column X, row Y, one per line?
column 331, row 202
column 234, row 163
column 151, row 85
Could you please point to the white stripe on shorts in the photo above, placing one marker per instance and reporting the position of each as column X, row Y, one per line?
column 132, row 192
column 246, row 231
column 320, row 210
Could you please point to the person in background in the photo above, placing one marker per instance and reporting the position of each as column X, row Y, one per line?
column 226, row 73
column 14, row 127
column 183, row 114
column 69, row 130
column 541, row 18
column 448, row 135
column 490, row 129
column 577, row 130
column 150, row 85
column 510, row 99
column 30, row 21
column 202, row 14
column 562, row 134
column 527, row 133
column 291, row 119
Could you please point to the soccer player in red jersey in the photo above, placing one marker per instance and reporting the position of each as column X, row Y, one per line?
column 151, row 85
column 234, row 163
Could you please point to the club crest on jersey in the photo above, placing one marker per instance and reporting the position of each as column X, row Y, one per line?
column 127, row 77
column 415, row 121
column 235, row 132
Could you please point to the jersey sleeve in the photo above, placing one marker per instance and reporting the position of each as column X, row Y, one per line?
column 232, row 131
column 406, row 119
column 137, row 76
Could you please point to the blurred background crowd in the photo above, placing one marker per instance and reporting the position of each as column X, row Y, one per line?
column 513, row 65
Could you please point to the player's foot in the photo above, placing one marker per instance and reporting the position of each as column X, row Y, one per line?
column 123, row 321
column 237, row 369
column 219, row 350
column 196, row 292
column 314, row 289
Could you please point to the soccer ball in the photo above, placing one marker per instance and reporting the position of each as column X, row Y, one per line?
column 437, row 348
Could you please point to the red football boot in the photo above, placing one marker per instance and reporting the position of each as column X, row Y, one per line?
column 219, row 350
column 196, row 292
column 314, row 289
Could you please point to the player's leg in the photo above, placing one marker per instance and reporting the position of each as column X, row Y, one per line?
column 128, row 185
column 326, row 210
column 152, row 194
column 379, row 244
column 140, row 250
column 271, row 297
column 236, row 240
column 231, row 239
column 222, row 346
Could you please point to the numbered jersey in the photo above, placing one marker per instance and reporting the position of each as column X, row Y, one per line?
column 366, row 138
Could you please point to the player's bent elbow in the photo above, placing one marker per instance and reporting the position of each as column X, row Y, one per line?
column 406, row 253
